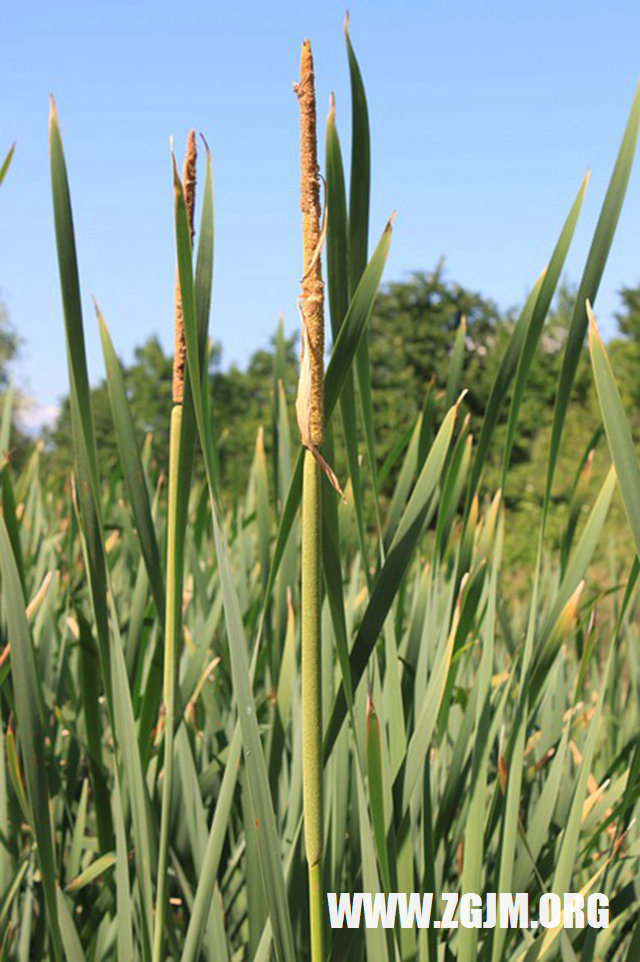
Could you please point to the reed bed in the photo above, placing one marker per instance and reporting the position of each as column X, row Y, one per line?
column 216, row 707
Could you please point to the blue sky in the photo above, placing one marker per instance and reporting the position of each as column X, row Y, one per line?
column 484, row 118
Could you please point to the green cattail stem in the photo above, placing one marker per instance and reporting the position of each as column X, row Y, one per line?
column 175, row 560
column 172, row 631
column 310, row 415
column 312, row 694
column 316, row 905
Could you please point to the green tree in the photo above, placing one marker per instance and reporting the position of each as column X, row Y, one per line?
column 59, row 439
column 625, row 351
column 240, row 402
column 628, row 319
column 9, row 343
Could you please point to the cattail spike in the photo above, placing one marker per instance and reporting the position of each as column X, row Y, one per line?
column 179, row 343
column 310, row 403
column 189, row 178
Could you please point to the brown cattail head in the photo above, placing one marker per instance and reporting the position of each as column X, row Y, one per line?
column 179, row 343
column 310, row 400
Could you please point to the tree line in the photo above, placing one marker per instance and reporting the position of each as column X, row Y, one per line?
column 411, row 337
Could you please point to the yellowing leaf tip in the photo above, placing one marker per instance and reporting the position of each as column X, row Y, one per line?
column 461, row 398
column 206, row 146
column 593, row 327
column 177, row 183
column 96, row 308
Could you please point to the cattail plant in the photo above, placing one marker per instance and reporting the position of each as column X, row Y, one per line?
column 175, row 562
column 310, row 414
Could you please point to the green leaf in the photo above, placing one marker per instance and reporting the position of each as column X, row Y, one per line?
column 89, row 681
column 70, row 940
column 257, row 778
column 84, row 444
column 6, row 163
column 11, row 520
column 393, row 571
column 617, row 429
column 332, row 571
column 262, row 506
column 7, row 420
column 565, row 861
column 10, row 893
column 124, row 921
column 77, row 839
column 204, row 258
column 500, row 386
column 110, row 645
column 455, row 365
column 358, row 226
column 376, row 792
column 203, row 283
column 404, row 481
column 97, row 868
column 540, row 311
column 374, row 936
column 132, row 467
column 338, row 289
column 28, row 707
column 427, row 717
column 594, row 268
column 580, row 557
column 339, row 366
column 355, row 323
column 360, row 169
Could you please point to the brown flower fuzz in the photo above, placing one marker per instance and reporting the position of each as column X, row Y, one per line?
column 310, row 402
column 179, row 343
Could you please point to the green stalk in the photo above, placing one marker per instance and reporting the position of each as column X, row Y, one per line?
column 310, row 414
column 175, row 563
column 312, row 693
column 172, row 629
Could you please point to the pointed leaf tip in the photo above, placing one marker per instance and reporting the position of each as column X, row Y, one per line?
column 177, row 183
column 593, row 327
column 206, row 146
column 461, row 398
column 463, row 584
